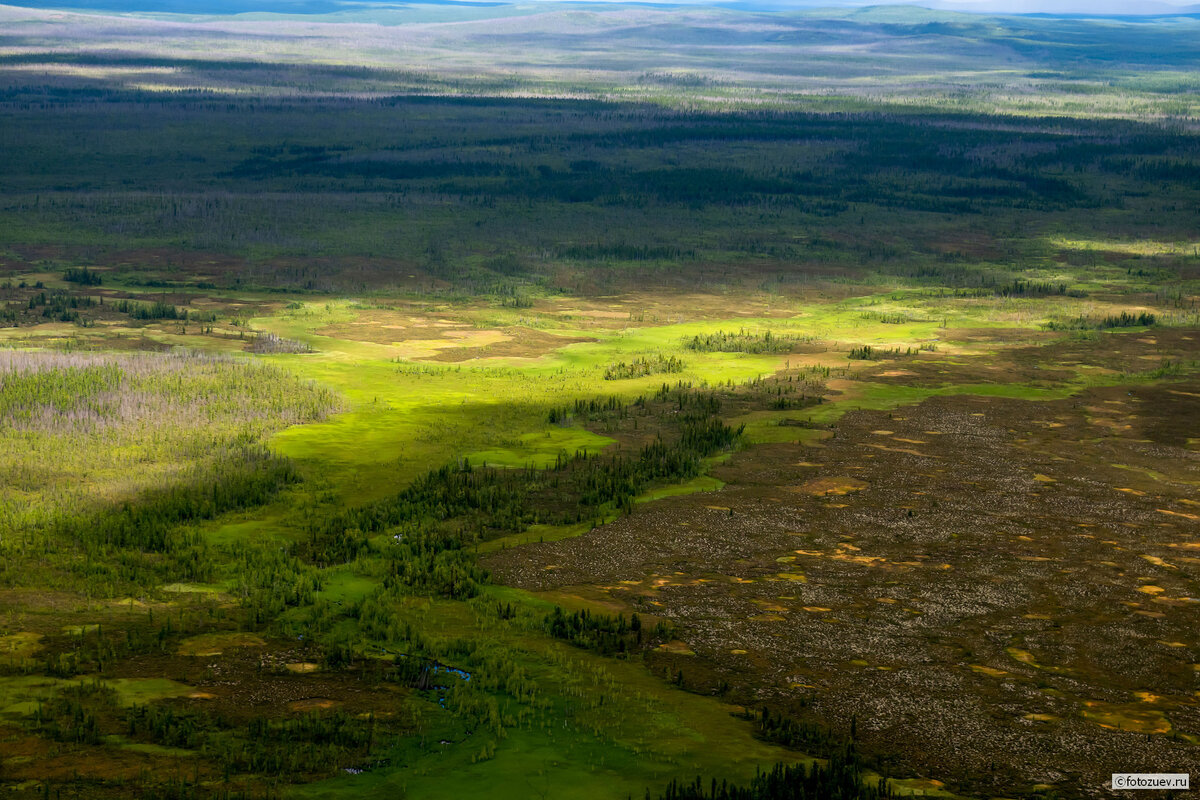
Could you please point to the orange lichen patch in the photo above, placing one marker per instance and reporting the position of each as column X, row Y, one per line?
column 1158, row 562
column 792, row 576
column 767, row 618
column 785, row 559
column 677, row 647
column 883, row 433
column 1175, row 601
column 1182, row 394
column 1034, row 558
column 870, row 561
column 1150, row 589
column 827, row 486
column 1037, row 616
column 1183, row 514
column 1040, row 717
column 1040, row 478
column 312, row 704
column 896, row 373
column 302, row 667
column 990, row 671
column 887, row 600
column 817, row 609
column 737, row 652
column 1147, row 697
column 846, row 552
column 1130, row 491
column 806, row 464
column 202, row 696
column 909, row 441
column 767, row 605
column 1126, row 717
column 1172, row 644
column 1151, row 614
column 1024, row 656
column 1102, row 422
column 1186, row 545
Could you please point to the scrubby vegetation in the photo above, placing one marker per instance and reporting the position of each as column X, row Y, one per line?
column 469, row 504
column 1123, row 320
column 335, row 458
column 641, row 367
column 272, row 343
column 741, row 342
column 842, row 777
column 173, row 434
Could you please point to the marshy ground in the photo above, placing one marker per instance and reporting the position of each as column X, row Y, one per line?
column 349, row 413
column 974, row 543
column 1000, row 590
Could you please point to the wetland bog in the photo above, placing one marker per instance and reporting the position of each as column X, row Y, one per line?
column 573, row 425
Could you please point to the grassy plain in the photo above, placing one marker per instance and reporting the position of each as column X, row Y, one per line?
column 866, row 386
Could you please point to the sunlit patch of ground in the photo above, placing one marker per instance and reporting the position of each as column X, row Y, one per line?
column 1126, row 717
column 15, row 647
column 214, row 644
column 919, row 563
column 832, row 486
column 516, row 342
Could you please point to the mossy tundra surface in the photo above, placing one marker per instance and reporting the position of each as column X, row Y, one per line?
column 374, row 431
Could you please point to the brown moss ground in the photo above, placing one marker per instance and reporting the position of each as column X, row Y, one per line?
column 988, row 604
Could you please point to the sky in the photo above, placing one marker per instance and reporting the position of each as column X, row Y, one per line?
column 1073, row 7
